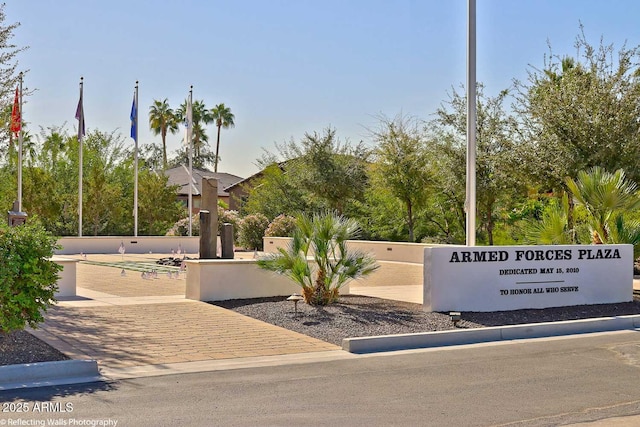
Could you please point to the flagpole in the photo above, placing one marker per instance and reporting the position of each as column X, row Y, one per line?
column 20, row 152
column 135, row 157
column 470, row 203
column 80, row 137
column 189, row 132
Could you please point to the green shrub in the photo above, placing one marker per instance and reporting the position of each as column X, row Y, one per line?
column 228, row 217
column 251, row 231
column 281, row 226
column 29, row 277
column 181, row 228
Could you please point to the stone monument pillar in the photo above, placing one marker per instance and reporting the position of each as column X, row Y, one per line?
column 209, row 202
column 226, row 239
column 205, row 236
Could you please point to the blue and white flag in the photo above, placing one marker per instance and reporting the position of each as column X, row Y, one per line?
column 134, row 119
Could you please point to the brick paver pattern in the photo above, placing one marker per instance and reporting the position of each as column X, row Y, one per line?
column 150, row 334
column 111, row 324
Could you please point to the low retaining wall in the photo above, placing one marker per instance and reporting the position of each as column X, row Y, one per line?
column 382, row 251
column 219, row 280
column 132, row 245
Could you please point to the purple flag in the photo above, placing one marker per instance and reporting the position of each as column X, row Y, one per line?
column 80, row 117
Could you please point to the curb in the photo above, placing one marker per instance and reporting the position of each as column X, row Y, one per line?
column 43, row 374
column 490, row 334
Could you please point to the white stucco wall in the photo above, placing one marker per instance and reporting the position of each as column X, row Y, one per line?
column 133, row 245
column 382, row 251
column 219, row 280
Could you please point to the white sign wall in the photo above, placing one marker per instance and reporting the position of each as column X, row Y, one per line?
column 496, row 278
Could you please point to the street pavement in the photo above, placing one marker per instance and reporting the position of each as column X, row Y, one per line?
column 590, row 378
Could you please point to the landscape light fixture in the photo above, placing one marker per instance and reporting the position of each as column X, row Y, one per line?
column 295, row 298
column 455, row 317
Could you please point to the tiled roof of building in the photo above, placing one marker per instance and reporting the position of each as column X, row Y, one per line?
column 180, row 176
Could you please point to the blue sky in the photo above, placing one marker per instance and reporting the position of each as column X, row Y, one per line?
column 286, row 67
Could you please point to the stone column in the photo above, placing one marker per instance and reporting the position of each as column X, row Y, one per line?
column 226, row 240
column 209, row 202
column 205, row 235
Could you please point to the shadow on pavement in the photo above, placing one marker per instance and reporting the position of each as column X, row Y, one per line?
column 51, row 392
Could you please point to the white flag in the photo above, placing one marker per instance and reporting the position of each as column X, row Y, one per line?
column 189, row 122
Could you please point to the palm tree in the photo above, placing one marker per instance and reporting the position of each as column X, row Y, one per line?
column 54, row 143
column 318, row 258
column 200, row 116
column 552, row 227
column 162, row 119
column 604, row 195
column 224, row 119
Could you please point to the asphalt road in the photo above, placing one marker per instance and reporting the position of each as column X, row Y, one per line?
column 532, row 383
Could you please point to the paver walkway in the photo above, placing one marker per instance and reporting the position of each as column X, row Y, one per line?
column 401, row 281
column 126, row 321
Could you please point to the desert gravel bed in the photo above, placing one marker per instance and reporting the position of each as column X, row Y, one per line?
column 359, row 316
column 22, row 347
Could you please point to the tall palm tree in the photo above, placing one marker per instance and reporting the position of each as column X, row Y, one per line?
column 224, row 119
column 200, row 116
column 162, row 119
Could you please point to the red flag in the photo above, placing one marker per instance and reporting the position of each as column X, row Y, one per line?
column 16, row 120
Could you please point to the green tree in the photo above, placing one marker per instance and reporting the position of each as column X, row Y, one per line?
column 158, row 208
column 402, row 164
column 276, row 192
column 224, row 118
column 103, row 202
column 330, row 171
column 162, row 119
column 580, row 112
column 499, row 157
column 8, row 78
column 152, row 157
column 54, row 167
column 381, row 214
column 318, row 259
